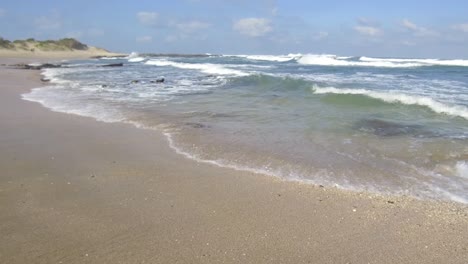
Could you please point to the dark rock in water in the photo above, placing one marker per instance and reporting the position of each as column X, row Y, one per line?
column 50, row 65
column 384, row 128
column 37, row 66
column 160, row 80
column 113, row 65
column 45, row 80
column 135, row 81
column 107, row 56
column 104, row 86
column 196, row 125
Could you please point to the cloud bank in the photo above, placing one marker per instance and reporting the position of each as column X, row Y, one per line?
column 253, row 27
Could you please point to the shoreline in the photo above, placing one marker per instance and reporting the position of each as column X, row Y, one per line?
column 78, row 190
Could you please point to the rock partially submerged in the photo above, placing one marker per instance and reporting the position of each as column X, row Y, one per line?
column 159, row 80
column 196, row 125
column 37, row 66
column 113, row 65
column 384, row 128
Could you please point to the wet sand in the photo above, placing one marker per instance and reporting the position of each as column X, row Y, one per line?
column 74, row 190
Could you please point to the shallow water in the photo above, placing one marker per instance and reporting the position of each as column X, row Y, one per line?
column 396, row 126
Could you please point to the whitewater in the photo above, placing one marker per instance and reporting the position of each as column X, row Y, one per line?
column 394, row 126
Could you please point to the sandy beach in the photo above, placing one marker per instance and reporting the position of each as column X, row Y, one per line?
column 74, row 190
column 56, row 55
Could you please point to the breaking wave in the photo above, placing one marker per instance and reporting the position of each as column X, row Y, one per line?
column 137, row 59
column 334, row 60
column 208, row 68
column 423, row 62
column 438, row 107
column 275, row 58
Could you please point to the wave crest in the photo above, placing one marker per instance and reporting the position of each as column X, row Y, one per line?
column 208, row 68
column 438, row 107
column 275, row 58
column 136, row 59
column 334, row 60
column 423, row 62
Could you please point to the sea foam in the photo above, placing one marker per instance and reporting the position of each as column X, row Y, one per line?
column 423, row 62
column 137, row 59
column 108, row 95
column 274, row 58
column 208, row 68
column 333, row 60
column 462, row 169
column 132, row 55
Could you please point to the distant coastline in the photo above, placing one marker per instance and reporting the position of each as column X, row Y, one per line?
column 62, row 48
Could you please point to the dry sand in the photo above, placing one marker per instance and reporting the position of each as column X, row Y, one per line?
column 74, row 190
column 38, row 54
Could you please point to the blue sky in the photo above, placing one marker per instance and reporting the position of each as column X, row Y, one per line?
column 431, row 29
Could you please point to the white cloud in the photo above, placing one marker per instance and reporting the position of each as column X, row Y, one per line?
column 192, row 26
column 253, row 27
column 148, row 18
column 364, row 21
column 368, row 30
column 50, row 22
column 418, row 30
column 321, row 35
column 181, row 31
column 461, row 27
column 410, row 25
column 368, row 27
column 144, row 39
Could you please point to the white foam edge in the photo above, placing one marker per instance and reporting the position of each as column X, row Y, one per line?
column 461, row 169
column 333, row 60
column 448, row 195
column 428, row 62
column 108, row 119
column 137, row 59
column 435, row 106
column 208, row 68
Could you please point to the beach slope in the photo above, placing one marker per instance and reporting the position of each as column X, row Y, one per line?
column 74, row 190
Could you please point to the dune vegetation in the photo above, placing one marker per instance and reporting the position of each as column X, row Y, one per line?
column 30, row 44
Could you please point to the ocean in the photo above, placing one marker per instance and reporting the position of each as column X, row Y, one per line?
column 382, row 125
